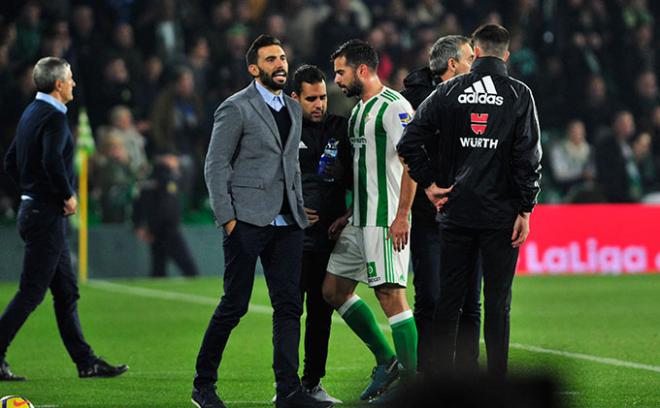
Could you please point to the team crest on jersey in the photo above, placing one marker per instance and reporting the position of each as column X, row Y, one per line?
column 479, row 123
column 405, row 119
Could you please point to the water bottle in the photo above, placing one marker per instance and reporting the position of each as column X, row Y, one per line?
column 328, row 157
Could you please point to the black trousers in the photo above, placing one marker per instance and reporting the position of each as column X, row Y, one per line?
column 46, row 264
column 170, row 243
column 426, row 253
column 319, row 316
column 280, row 251
column 460, row 247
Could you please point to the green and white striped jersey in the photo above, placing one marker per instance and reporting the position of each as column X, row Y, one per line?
column 374, row 129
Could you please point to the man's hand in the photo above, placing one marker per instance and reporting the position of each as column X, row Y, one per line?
column 144, row 235
column 70, row 206
column 399, row 232
column 337, row 227
column 229, row 227
column 312, row 216
column 437, row 195
column 520, row 230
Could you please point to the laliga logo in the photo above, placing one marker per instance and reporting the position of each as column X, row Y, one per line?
column 14, row 401
column 589, row 258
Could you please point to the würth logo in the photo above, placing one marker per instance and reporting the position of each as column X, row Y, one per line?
column 481, row 92
column 479, row 122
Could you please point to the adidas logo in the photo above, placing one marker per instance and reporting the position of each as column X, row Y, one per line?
column 481, row 92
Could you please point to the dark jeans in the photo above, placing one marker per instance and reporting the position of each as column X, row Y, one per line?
column 425, row 251
column 46, row 264
column 280, row 251
column 460, row 247
column 319, row 316
column 170, row 243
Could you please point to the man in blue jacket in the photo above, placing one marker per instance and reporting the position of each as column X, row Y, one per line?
column 40, row 161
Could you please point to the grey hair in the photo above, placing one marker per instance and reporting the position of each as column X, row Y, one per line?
column 443, row 49
column 47, row 71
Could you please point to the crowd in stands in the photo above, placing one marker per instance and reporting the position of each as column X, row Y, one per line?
column 150, row 74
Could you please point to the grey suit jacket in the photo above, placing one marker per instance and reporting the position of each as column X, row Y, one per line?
column 247, row 169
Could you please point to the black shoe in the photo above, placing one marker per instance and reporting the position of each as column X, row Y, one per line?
column 6, row 374
column 300, row 399
column 100, row 368
column 206, row 398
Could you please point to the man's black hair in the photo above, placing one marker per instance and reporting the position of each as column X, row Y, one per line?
column 264, row 40
column 493, row 39
column 306, row 73
column 357, row 52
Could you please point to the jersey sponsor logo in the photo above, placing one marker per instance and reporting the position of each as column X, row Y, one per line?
column 405, row 119
column 479, row 142
column 358, row 142
column 479, row 123
column 481, row 92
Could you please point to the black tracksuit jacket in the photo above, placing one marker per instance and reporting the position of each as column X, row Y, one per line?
column 489, row 123
column 327, row 198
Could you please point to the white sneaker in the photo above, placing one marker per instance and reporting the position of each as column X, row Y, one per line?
column 320, row 394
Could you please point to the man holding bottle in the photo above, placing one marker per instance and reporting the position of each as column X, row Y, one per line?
column 325, row 164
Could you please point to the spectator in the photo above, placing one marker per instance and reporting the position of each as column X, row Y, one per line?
column 168, row 32
column 121, row 124
column 341, row 25
column 113, row 179
column 176, row 121
column 570, row 158
column 123, row 46
column 646, row 96
column 597, row 109
column 148, row 87
column 199, row 62
column 28, row 32
column 616, row 169
column 157, row 218
column 115, row 89
column 87, row 43
column 642, row 151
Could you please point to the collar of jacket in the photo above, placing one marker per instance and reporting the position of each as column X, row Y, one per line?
column 420, row 77
column 490, row 65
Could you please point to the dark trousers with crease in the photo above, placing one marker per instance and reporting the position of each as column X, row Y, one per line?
column 319, row 316
column 46, row 264
column 280, row 251
column 460, row 248
column 426, row 253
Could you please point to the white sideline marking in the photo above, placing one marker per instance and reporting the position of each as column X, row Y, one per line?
column 166, row 295
column 202, row 300
column 587, row 357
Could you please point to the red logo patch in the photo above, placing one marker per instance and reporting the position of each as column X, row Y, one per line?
column 479, row 123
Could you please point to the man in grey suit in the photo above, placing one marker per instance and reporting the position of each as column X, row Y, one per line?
column 253, row 177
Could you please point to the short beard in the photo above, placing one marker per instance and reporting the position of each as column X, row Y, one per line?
column 355, row 88
column 269, row 82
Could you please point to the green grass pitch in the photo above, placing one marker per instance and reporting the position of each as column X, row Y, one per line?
column 589, row 330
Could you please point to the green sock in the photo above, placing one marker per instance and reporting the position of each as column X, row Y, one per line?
column 404, row 333
column 362, row 321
